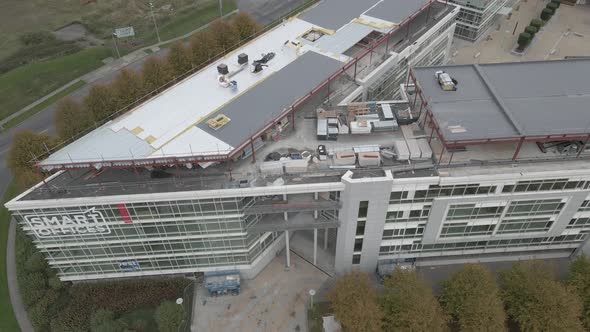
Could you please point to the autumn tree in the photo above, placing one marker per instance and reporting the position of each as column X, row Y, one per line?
column 179, row 59
column 128, row 87
column 579, row 280
column 245, row 25
column 71, row 118
column 225, row 34
column 156, row 73
column 409, row 305
column 472, row 298
column 536, row 301
column 203, row 46
column 27, row 146
column 101, row 102
column 354, row 303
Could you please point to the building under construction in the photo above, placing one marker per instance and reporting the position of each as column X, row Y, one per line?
column 313, row 138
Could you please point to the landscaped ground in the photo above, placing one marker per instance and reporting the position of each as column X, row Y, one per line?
column 8, row 322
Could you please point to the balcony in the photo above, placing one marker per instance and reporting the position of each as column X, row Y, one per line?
column 278, row 206
column 297, row 221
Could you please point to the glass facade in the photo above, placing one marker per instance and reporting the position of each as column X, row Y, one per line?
column 154, row 236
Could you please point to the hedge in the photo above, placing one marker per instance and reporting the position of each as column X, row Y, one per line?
column 524, row 39
column 537, row 23
column 552, row 5
column 546, row 14
column 531, row 30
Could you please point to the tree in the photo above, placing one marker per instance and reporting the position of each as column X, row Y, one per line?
column 101, row 102
column 71, row 118
column 179, row 59
column 579, row 280
column 354, row 303
column 26, row 147
column 409, row 305
column 32, row 286
column 36, row 263
column 128, row 87
column 472, row 298
column 169, row 316
column 156, row 73
column 103, row 320
column 536, row 301
column 225, row 34
column 245, row 25
column 204, row 47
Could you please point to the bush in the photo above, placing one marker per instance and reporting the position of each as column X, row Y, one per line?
column 537, row 23
column 103, row 320
column 531, row 30
column 556, row 2
column 36, row 263
column 546, row 14
column 524, row 39
column 32, row 287
column 37, row 37
column 553, row 6
column 169, row 316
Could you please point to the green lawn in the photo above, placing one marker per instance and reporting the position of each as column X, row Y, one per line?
column 8, row 322
column 144, row 314
column 26, row 84
column 44, row 104
column 192, row 19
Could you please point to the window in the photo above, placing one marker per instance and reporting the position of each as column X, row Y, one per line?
column 363, row 207
column 358, row 245
column 360, row 227
column 356, row 259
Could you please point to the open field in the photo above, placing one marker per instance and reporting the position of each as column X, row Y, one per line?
column 100, row 17
column 26, row 84
column 8, row 322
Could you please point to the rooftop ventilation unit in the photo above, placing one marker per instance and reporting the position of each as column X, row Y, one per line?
column 242, row 59
column 445, row 81
column 222, row 69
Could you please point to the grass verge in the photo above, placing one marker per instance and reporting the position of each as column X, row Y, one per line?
column 315, row 314
column 24, row 85
column 8, row 322
column 13, row 122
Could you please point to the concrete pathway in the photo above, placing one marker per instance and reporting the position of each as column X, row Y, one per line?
column 17, row 304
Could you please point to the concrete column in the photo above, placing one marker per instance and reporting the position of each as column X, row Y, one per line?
column 315, row 246
column 287, row 252
column 326, row 238
column 315, row 212
column 285, row 215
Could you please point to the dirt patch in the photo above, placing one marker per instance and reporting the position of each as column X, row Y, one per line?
column 76, row 31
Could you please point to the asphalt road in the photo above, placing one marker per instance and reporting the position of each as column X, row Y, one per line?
column 263, row 11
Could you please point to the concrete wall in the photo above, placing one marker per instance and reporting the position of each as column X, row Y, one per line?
column 376, row 190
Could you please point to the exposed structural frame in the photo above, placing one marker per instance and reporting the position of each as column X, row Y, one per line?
column 289, row 111
column 430, row 119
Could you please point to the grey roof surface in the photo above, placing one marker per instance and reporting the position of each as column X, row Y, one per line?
column 250, row 111
column 102, row 143
column 510, row 99
column 333, row 14
column 346, row 38
column 395, row 11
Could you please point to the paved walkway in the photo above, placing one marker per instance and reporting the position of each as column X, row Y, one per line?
column 17, row 304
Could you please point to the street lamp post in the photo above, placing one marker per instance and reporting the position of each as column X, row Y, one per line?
column 114, row 35
column 220, row 8
column 154, row 19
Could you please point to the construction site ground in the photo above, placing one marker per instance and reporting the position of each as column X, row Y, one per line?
column 566, row 34
column 274, row 301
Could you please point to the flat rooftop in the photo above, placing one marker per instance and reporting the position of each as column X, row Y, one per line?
column 510, row 100
column 174, row 123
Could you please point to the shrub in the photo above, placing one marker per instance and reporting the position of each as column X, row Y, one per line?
column 169, row 316
column 553, row 6
column 32, row 287
column 546, row 14
column 537, row 23
column 37, row 37
column 36, row 263
column 556, row 2
column 524, row 39
column 531, row 30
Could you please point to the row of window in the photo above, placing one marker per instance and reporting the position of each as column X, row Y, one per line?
column 534, row 207
column 434, row 191
column 541, row 241
column 470, row 211
column 545, row 185
column 462, row 229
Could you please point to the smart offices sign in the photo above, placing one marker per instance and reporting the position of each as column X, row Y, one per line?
column 89, row 222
